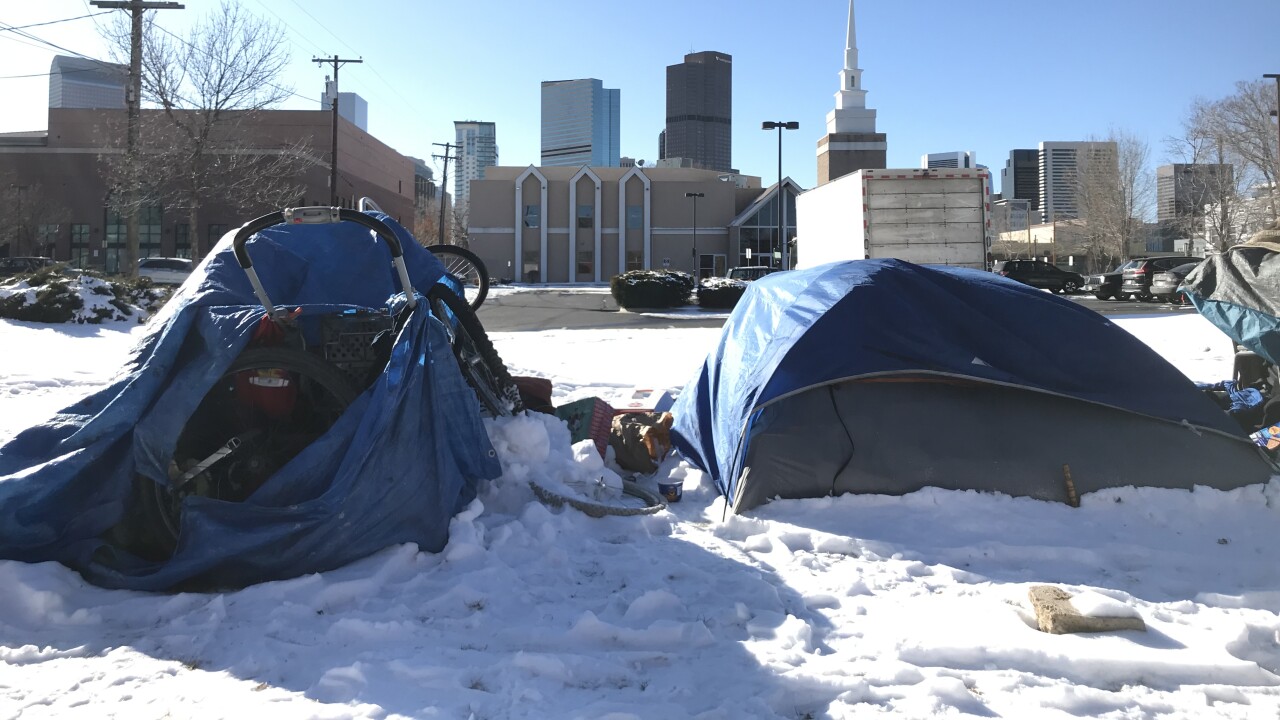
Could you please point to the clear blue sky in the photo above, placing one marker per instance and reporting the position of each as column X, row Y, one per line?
column 942, row 74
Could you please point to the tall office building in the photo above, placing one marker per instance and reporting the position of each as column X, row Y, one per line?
column 350, row 105
column 957, row 159
column 852, row 142
column 580, row 123
column 1020, row 178
column 1063, row 166
column 79, row 83
column 700, row 111
column 477, row 149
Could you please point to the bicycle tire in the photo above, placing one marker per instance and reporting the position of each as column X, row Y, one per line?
column 605, row 501
column 478, row 360
column 311, row 375
column 467, row 268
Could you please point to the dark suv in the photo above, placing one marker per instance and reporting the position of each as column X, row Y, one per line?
column 1137, row 277
column 1038, row 273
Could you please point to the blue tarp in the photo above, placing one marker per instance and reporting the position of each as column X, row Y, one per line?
column 398, row 464
column 1239, row 292
column 796, row 330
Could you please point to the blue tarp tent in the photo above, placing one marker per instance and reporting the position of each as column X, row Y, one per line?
column 397, row 465
column 883, row 376
column 1239, row 292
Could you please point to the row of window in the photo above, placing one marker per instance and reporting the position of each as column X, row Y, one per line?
column 586, row 216
column 115, row 237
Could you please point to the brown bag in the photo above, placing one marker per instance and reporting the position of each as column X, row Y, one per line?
column 640, row 441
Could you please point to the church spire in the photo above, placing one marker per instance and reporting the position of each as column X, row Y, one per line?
column 851, row 42
column 851, row 113
column 851, row 142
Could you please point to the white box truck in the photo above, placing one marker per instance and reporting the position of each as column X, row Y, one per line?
column 938, row 216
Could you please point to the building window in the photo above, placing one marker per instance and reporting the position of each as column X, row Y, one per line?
column 216, row 231
column 586, row 216
column 586, row 262
column 182, row 240
column 532, row 216
column 47, row 236
column 635, row 217
column 149, row 231
column 113, row 241
column 635, row 260
column 80, row 245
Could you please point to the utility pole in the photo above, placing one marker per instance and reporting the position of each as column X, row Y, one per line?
column 444, row 180
column 133, row 103
column 337, row 62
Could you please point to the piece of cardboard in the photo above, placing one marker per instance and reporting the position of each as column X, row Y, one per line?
column 646, row 399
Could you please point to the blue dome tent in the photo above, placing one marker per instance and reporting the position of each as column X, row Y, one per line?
column 880, row 376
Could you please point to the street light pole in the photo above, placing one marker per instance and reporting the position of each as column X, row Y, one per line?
column 697, row 271
column 782, row 201
column 1276, row 77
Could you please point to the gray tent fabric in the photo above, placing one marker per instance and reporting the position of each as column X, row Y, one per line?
column 897, row 435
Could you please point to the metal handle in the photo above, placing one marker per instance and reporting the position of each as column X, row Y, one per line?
column 316, row 216
column 367, row 204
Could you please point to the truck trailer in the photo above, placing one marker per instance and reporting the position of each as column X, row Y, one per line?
column 939, row 216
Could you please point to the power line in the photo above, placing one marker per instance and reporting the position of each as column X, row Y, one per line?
column 52, row 22
column 64, row 72
column 29, row 36
column 323, row 27
column 289, row 27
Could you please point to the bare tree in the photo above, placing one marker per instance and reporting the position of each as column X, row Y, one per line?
column 426, row 223
column 1115, row 196
column 207, row 86
column 458, row 232
column 24, row 209
column 1234, row 131
column 1244, row 121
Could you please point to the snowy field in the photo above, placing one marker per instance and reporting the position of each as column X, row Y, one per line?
column 847, row 607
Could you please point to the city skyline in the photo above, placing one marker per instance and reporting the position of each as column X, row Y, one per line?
column 990, row 94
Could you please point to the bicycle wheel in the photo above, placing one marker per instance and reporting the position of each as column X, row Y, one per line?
column 481, row 366
column 270, row 405
column 597, row 498
column 467, row 268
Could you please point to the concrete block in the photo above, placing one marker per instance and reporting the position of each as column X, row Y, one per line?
column 1056, row 615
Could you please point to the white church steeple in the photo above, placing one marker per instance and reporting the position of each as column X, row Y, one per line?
column 851, row 114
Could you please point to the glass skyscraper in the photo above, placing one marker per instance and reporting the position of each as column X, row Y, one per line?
column 580, row 123
column 477, row 149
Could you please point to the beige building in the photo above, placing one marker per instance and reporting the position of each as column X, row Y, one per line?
column 587, row 224
column 65, row 165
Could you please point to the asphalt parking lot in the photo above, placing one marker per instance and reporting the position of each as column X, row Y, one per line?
column 592, row 307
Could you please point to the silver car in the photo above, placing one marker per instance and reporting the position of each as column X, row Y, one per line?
column 165, row 271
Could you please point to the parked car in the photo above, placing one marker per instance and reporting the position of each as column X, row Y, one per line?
column 1137, row 279
column 15, row 265
column 750, row 272
column 1164, row 286
column 165, row 271
column 1038, row 273
column 1105, row 286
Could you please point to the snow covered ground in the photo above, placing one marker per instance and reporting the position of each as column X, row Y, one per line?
column 843, row 607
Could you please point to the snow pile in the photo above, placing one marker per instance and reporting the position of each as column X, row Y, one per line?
column 49, row 296
column 847, row 607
